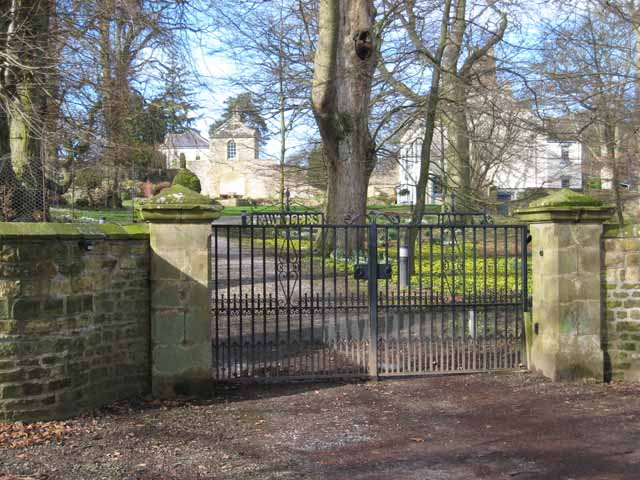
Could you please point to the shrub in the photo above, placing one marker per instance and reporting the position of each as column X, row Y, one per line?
column 595, row 184
column 158, row 187
column 188, row 179
column 82, row 203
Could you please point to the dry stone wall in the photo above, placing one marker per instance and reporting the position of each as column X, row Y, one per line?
column 74, row 318
column 621, row 282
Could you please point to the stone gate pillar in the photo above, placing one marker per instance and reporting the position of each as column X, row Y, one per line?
column 566, row 230
column 180, row 227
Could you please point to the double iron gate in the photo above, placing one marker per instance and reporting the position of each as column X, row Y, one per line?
column 302, row 300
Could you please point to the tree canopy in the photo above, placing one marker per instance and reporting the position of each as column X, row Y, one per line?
column 249, row 110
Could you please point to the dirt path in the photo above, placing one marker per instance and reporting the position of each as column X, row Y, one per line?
column 459, row 427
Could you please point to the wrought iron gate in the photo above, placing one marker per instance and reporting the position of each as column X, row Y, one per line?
column 301, row 300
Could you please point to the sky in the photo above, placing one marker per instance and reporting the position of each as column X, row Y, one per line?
column 214, row 70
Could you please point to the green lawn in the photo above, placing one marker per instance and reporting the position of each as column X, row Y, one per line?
column 120, row 216
column 235, row 211
column 124, row 215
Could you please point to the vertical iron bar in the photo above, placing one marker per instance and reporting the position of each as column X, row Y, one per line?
column 373, row 299
column 347, row 254
column 388, row 309
column 228, row 310
column 276, row 307
column 240, row 315
column 453, row 293
column 217, row 306
column 335, row 288
column 323, row 254
column 475, row 269
column 506, row 261
column 253, row 310
column 506, row 289
column 300, row 285
column 311, row 310
column 484, row 262
column 287, row 236
column 495, row 264
column 525, row 271
column 464, row 265
column 431, row 265
column 264, row 297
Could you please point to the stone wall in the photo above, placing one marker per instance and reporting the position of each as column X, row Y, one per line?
column 621, row 283
column 74, row 318
column 566, row 343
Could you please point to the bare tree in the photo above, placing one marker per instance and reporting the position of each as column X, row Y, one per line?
column 464, row 52
column 589, row 77
column 344, row 64
column 22, row 91
column 275, row 42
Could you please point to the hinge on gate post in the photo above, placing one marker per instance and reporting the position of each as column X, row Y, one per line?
column 361, row 271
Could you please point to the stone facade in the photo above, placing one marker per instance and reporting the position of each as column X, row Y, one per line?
column 180, row 229
column 74, row 318
column 230, row 168
column 621, row 282
column 236, row 169
column 566, row 301
column 566, row 326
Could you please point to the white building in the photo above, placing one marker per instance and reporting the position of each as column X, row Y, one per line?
column 537, row 161
column 409, row 171
column 190, row 144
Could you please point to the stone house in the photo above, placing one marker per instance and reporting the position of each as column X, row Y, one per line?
column 236, row 169
column 228, row 165
column 190, row 144
column 529, row 159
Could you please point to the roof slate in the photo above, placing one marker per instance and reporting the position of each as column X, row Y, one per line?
column 188, row 139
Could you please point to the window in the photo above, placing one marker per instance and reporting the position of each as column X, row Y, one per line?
column 565, row 182
column 436, row 182
column 503, row 198
column 564, row 155
column 197, row 157
column 231, row 150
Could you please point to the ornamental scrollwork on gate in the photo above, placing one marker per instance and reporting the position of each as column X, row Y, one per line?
column 287, row 267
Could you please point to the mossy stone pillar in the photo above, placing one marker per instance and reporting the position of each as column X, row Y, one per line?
column 566, row 230
column 180, row 228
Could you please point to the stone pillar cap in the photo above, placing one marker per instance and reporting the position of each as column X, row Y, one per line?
column 565, row 205
column 178, row 204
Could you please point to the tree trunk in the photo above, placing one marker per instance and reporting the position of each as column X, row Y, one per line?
column 610, row 144
column 425, row 165
column 430, row 123
column 51, row 138
column 456, row 82
column 114, row 89
column 458, row 156
column 636, row 116
column 283, row 147
column 343, row 71
column 5, row 151
column 26, row 104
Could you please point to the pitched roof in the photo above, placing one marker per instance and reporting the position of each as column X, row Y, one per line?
column 187, row 139
column 234, row 128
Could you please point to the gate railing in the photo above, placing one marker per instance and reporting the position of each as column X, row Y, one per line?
column 309, row 300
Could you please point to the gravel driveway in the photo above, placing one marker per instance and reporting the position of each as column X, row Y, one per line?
column 515, row 426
